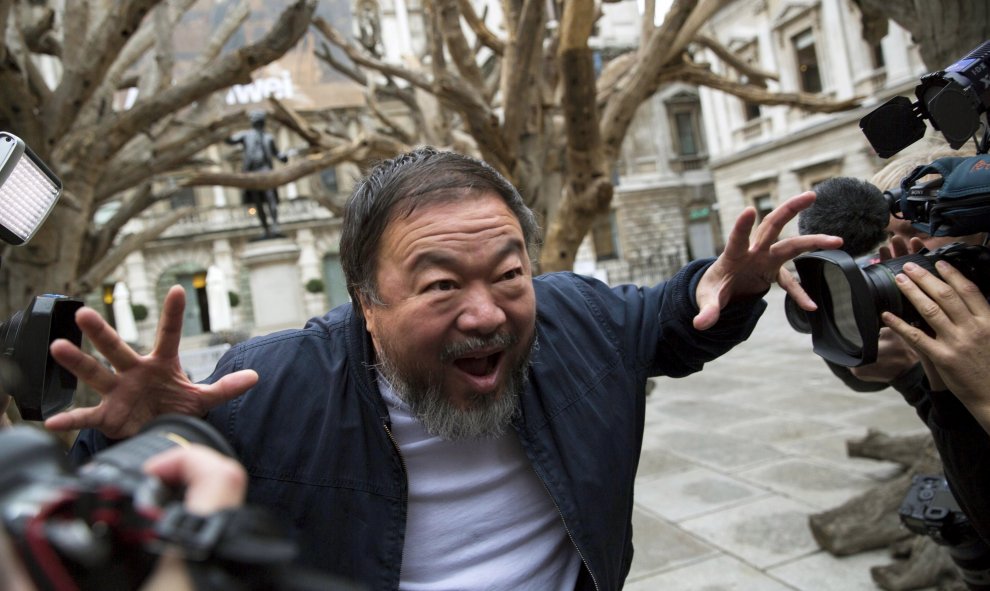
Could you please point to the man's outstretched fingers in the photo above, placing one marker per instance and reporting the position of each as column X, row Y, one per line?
column 170, row 323
column 87, row 369
column 78, row 418
column 105, row 339
column 228, row 387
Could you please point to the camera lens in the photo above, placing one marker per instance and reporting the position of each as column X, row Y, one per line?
column 841, row 304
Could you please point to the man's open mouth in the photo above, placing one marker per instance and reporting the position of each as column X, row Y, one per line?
column 479, row 365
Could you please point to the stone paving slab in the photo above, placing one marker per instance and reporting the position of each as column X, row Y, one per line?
column 764, row 533
column 719, row 573
column 735, row 459
column 692, row 493
column 663, row 546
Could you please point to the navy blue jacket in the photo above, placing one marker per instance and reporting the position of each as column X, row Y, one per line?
column 313, row 433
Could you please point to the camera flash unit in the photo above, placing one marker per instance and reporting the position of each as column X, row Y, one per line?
column 28, row 190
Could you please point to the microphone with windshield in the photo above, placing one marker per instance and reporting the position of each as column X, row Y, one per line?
column 851, row 209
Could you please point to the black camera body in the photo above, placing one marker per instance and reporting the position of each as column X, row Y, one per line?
column 104, row 525
column 930, row 509
column 98, row 526
column 39, row 386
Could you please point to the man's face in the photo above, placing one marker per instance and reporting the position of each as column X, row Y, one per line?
column 458, row 321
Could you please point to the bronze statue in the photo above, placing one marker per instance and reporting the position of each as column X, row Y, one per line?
column 259, row 153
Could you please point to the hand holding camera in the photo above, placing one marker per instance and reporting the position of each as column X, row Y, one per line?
column 955, row 352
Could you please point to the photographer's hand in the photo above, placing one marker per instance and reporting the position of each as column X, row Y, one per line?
column 212, row 482
column 744, row 270
column 894, row 359
column 958, row 313
column 140, row 387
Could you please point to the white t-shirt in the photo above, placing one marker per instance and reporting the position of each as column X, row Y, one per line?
column 479, row 517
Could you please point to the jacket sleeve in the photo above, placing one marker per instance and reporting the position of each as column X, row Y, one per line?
column 673, row 346
column 651, row 327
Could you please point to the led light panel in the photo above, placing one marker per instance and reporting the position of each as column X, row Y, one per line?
column 28, row 190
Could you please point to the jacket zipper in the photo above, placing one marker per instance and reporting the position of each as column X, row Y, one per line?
column 568, row 530
column 405, row 472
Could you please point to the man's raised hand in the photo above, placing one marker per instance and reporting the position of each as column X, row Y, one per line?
column 139, row 387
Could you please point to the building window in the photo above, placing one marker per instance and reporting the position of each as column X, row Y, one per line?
column 876, row 53
column 603, row 237
column 685, row 123
column 184, row 197
column 328, row 178
column 751, row 111
column 763, row 204
column 750, row 55
column 807, row 61
column 687, row 143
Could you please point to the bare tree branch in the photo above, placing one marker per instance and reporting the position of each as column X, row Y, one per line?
column 457, row 45
column 753, row 75
column 359, row 150
column 642, row 79
column 38, row 34
column 82, row 74
column 231, row 23
column 390, row 123
column 452, row 90
column 130, row 168
column 17, row 101
column 5, row 8
column 93, row 276
column 520, row 81
column 810, row 102
column 288, row 117
column 480, row 29
column 107, row 138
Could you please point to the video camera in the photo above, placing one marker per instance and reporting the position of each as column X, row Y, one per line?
column 929, row 509
column 845, row 328
column 38, row 385
column 954, row 100
column 105, row 525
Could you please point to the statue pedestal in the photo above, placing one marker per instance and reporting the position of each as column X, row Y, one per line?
column 276, row 287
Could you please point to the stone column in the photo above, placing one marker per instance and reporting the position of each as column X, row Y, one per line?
column 276, row 286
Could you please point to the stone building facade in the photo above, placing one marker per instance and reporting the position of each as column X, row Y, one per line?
column 761, row 155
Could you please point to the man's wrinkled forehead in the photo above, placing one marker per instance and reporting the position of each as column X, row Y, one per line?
column 411, row 202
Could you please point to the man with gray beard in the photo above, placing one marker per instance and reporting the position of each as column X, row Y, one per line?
column 460, row 424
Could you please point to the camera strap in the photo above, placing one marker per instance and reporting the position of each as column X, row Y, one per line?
column 233, row 541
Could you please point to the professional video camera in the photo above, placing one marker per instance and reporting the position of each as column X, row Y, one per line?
column 39, row 386
column 845, row 328
column 954, row 100
column 929, row 509
column 105, row 525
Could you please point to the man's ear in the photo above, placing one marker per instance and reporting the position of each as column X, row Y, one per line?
column 369, row 311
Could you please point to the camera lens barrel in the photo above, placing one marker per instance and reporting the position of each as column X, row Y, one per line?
column 126, row 458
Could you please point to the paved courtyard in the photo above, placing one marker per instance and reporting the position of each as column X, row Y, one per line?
column 738, row 456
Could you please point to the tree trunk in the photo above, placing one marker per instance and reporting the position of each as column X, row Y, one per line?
column 940, row 28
